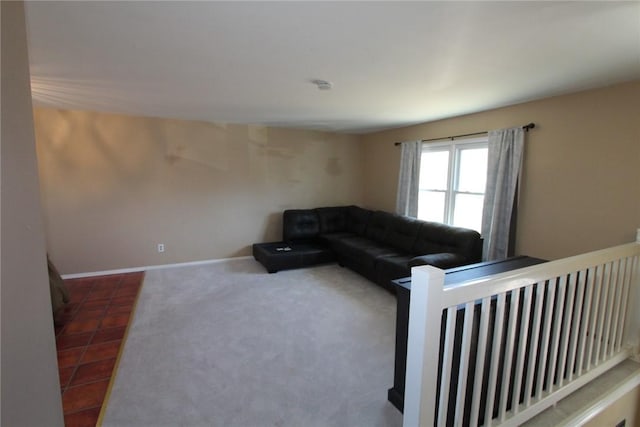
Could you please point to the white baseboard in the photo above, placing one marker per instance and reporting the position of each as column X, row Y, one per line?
column 151, row 267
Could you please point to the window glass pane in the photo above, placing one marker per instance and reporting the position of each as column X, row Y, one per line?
column 431, row 205
column 473, row 170
column 433, row 170
column 468, row 211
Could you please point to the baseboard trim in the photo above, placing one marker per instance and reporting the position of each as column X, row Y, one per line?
column 587, row 414
column 151, row 267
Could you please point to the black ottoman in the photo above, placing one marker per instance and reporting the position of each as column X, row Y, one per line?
column 277, row 256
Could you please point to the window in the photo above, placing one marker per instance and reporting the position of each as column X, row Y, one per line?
column 453, row 176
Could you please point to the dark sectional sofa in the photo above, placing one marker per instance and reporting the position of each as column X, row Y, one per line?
column 379, row 245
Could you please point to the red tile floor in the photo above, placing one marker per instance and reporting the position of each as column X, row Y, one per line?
column 89, row 333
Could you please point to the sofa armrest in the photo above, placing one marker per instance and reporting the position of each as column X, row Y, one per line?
column 441, row 260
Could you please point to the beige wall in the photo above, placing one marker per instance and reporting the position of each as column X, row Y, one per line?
column 208, row 191
column 581, row 176
column 115, row 186
column 30, row 389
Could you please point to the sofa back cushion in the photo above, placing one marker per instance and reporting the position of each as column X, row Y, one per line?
column 378, row 226
column 357, row 219
column 300, row 224
column 332, row 220
column 434, row 237
column 402, row 232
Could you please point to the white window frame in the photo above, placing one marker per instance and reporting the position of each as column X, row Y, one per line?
column 453, row 171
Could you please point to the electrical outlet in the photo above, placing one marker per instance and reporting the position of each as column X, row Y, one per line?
column 160, row 247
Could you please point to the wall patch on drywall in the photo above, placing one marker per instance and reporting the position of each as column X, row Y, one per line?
column 204, row 143
column 333, row 167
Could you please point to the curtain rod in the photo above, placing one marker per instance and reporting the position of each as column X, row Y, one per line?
column 525, row 127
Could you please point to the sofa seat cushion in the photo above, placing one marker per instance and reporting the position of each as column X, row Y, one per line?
column 363, row 250
column 331, row 238
column 394, row 266
column 442, row 260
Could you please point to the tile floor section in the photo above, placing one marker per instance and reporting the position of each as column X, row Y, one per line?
column 89, row 332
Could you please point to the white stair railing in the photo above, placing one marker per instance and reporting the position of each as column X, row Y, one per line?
column 501, row 349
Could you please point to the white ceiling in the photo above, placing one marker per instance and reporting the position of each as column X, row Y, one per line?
column 391, row 63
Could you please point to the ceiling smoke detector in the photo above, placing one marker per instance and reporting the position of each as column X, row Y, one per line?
column 322, row 84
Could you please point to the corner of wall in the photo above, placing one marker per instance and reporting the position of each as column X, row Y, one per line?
column 29, row 384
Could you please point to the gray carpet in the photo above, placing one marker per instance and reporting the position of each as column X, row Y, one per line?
column 229, row 345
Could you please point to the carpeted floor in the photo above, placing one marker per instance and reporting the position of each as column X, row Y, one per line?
column 229, row 345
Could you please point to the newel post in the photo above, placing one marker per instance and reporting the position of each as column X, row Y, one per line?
column 425, row 314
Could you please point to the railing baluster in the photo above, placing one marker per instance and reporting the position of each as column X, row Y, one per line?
column 485, row 310
column 606, row 339
column 601, row 311
column 493, row 371
column 566, row 330
column 522, row 348
column 595, row 315
column 447, row 358
column 555, row 341
column 533, row 349
column 467, row 331
column 577, row 317
column 546, row 338
column 587, row 314
column 508, row 355
column 619, row 285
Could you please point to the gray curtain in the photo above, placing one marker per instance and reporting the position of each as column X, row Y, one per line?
column 409, row 178
column 506, row 147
